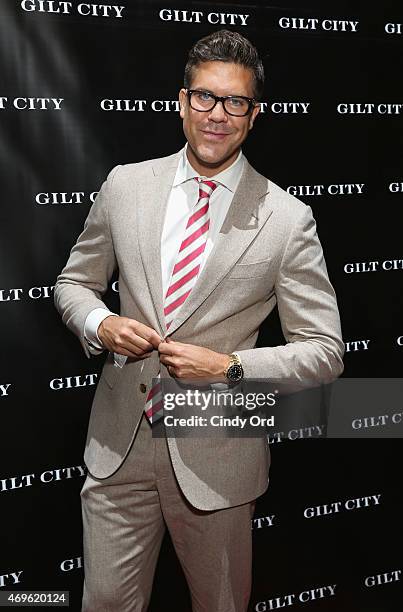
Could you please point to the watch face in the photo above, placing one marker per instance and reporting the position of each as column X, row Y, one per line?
column 235, row 372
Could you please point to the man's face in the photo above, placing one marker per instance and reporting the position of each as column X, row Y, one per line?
column 214, row 137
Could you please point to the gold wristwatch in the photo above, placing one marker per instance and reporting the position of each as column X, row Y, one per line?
column 234, row 371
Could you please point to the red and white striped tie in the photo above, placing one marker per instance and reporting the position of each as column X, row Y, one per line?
column 183, row 277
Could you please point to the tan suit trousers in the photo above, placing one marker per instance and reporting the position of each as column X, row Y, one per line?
column 124, row 520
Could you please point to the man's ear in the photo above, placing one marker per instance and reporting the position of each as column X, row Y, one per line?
column 253, row 115
column 182, row 102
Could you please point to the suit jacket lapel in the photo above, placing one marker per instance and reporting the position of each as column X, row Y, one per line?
column 152, row 201
column 245, row 217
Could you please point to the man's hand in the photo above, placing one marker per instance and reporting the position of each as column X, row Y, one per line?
column 189, row 361
column 128, row 337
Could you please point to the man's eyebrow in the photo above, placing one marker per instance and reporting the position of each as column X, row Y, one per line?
column 228, row 95
column 204, row 89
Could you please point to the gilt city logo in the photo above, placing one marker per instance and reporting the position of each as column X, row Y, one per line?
column 373, row 266
column 309, row 23
column 34, row 293
column 65, row 197
column 11, row 483
column 221, row 19
column 285, row 108
column 71, row 564
column 132, row 105
column 10, row 579
column 261, row 522
column 86, row 9
column 369, row 108
column 394, row 28
column 340, row 506
column 356, row 345
column 307, row 596
column 31, row 104
column 73, row 382
column 301, row 433
column 320, row 190
column 385, row 578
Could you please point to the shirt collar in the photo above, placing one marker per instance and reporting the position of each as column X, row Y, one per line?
column 228, row 177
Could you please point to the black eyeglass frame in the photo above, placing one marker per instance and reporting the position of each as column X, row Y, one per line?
column 251, row 102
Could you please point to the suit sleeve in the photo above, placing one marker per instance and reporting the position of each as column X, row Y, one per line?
column 308, row 313
column 85, row 277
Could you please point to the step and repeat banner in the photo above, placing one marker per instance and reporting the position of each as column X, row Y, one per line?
column 85, row 86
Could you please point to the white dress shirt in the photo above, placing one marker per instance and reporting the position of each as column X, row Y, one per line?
column 184, row 195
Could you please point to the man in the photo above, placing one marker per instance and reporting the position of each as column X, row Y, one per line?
column 205, row 247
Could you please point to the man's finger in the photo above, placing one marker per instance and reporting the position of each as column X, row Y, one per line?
column 130, row 342
column 139, row 344
column 168, row 360
column 148, row 334
column 166, row 348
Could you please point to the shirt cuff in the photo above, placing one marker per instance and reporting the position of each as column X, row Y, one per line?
column 92, row 322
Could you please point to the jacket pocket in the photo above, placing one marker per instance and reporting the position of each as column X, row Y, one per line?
column 249, row 270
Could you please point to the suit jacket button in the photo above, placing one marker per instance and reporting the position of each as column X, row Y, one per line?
column 143, row 387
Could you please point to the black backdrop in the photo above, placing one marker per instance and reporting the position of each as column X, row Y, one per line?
column 331, row 134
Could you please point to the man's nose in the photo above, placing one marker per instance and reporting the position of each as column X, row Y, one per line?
column 218, row 113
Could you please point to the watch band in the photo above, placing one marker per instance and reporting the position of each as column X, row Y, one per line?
column 235, row 364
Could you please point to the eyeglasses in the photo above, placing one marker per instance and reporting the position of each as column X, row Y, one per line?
column 204, row 101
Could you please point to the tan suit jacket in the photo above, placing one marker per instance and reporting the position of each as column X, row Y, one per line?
column 267, row 252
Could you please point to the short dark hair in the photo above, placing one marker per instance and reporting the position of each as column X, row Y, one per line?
column 226, row 46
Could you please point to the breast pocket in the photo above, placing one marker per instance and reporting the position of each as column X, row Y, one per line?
column 258, row 269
